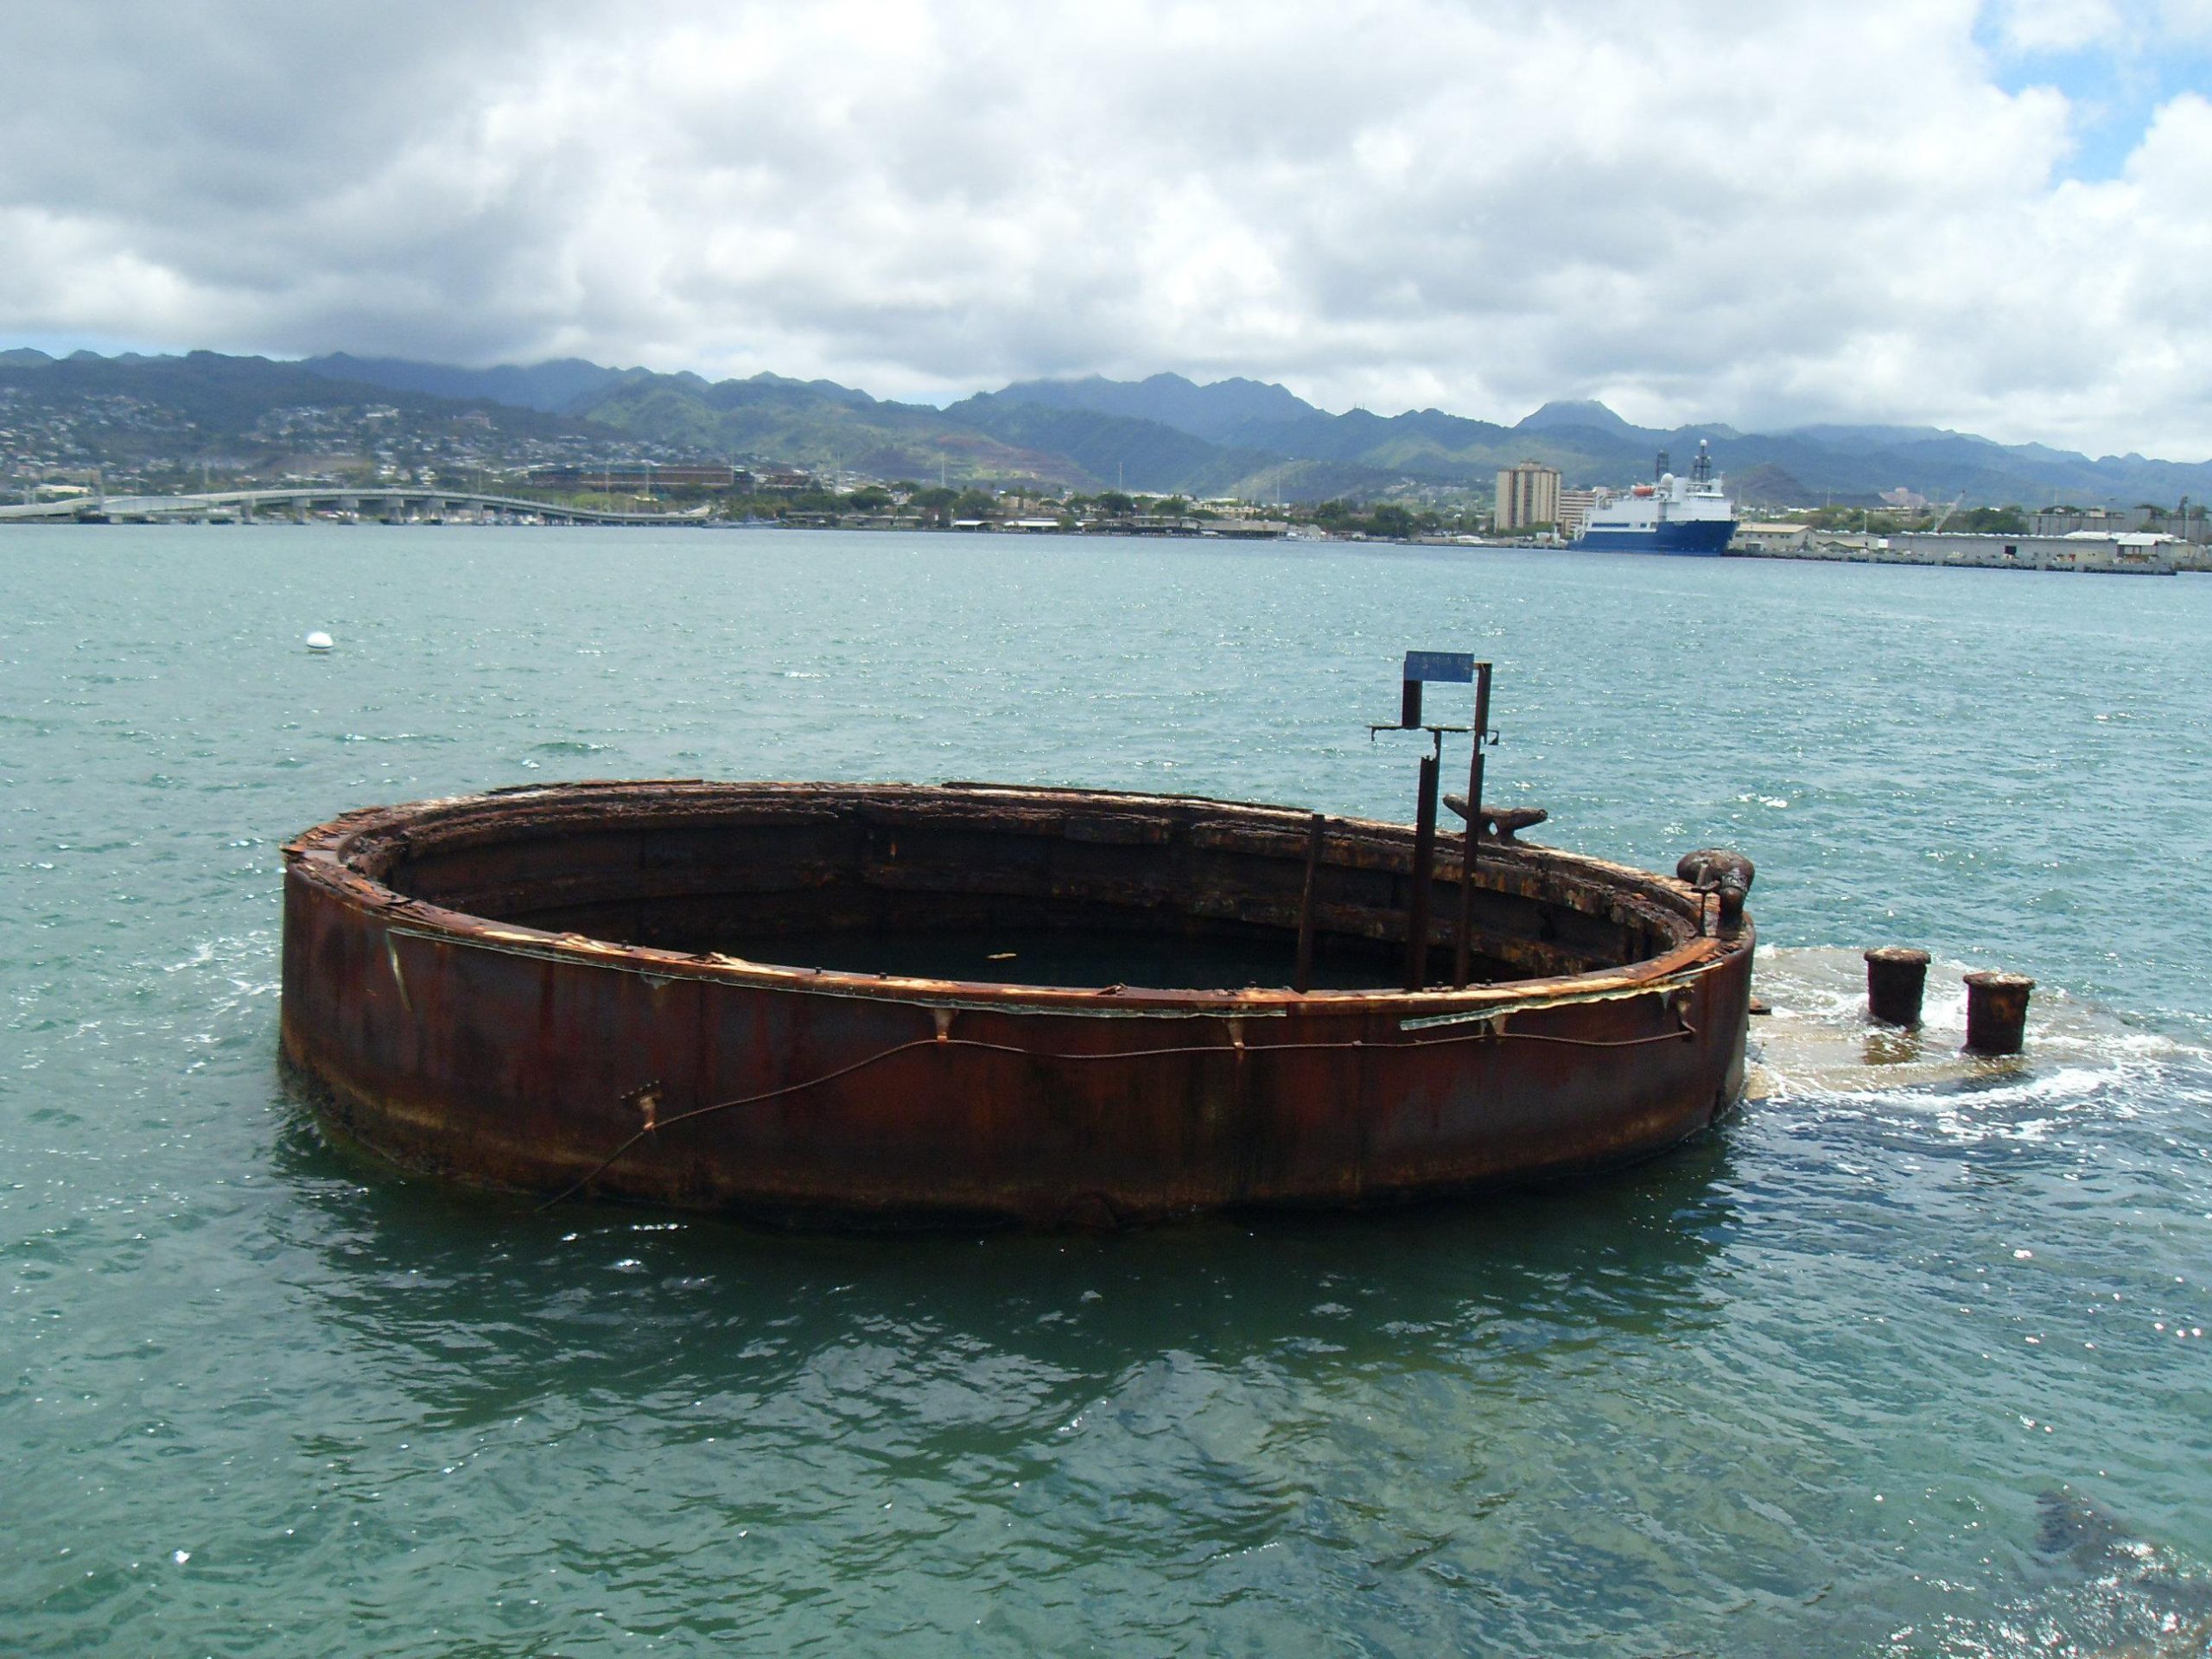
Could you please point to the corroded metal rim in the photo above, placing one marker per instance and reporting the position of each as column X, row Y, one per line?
column 351, row 855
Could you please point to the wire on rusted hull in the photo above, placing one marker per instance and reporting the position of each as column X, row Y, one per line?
column 1489, row 1032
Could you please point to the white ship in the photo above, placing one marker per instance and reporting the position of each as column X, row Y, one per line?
column 1670, row 515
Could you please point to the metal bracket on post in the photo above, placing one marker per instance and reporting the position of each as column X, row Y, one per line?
column 1452, row 668
column 1463, row 945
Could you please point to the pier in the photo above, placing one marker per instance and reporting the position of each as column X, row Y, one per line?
column 2115, row 555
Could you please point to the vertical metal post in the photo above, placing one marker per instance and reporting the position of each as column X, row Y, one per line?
column 1424, row 875
column 1302, row 978
column 1463, row 943
column 1896, row 980
column 1996, row 1012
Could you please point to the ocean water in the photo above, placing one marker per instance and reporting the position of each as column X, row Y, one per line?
column 1907, row 1356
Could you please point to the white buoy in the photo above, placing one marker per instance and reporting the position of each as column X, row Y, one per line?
column 321, row 641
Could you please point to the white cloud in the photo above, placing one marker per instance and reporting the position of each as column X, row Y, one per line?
column 2058, row 25
column 1759, row 214
column 2122, row 26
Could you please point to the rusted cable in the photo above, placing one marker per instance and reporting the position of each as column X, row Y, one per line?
column 1687, row 1030
column 1487, row 1034
column 651, row 1127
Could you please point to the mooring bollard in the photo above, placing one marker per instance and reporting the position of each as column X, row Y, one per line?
column 1996, row 1012
column 1896, row 978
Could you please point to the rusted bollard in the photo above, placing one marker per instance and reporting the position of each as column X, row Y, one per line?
column 1896, row 978
column 1996, row 1012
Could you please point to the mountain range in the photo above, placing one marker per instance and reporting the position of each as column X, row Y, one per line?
column 1249, row 437
column 168, row 421
column 1161, row 435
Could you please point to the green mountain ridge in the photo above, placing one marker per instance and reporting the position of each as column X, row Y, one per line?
column 1163, row 435
column 170, row 419
column 1256, row 439
column 551, row 388
column 1213, row 412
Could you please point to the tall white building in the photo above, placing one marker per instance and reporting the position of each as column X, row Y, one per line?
column 1528, row 494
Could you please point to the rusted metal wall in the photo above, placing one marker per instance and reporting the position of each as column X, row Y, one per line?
column 444, row 1023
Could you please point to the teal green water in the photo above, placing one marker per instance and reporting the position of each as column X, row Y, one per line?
column 1801, row 1387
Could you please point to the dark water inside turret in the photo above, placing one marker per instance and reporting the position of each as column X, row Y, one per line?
column 1809, row 1386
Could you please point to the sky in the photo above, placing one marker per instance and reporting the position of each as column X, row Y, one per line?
column 1991, row 217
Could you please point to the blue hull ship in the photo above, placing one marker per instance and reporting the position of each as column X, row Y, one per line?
column 1707, row 536
column 1670, row 515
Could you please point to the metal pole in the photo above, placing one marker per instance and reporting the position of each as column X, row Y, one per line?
column 1896, row 980
column 1409, row 707
column 1302, row 977
column 1463, row 947
column 1424, row 874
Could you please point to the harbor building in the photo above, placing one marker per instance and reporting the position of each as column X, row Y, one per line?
column 2185, row 522
column 1776, row 541
column 1575, row 510
column 2137, row 553
column 1528, row 495
column 2128, row 553
column 2102, row 521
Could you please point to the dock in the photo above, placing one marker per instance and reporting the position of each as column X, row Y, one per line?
column 2088, row 554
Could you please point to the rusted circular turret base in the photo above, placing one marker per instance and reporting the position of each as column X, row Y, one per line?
column 643, row 991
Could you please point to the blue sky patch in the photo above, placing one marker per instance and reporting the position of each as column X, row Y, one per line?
column 2115, row 84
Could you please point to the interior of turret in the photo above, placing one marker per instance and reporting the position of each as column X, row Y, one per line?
column 1020, row 886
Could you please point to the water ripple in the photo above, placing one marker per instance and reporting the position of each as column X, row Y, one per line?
column 1804, row 1386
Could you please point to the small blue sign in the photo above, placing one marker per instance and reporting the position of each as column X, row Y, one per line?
column 1449, row 667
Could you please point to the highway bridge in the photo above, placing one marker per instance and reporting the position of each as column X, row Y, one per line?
column 348, row 504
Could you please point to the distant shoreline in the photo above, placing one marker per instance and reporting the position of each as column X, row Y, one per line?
column 2099, row 555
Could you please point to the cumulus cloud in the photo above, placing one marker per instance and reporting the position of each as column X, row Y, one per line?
column 2058, row 25
column 1759, row 212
